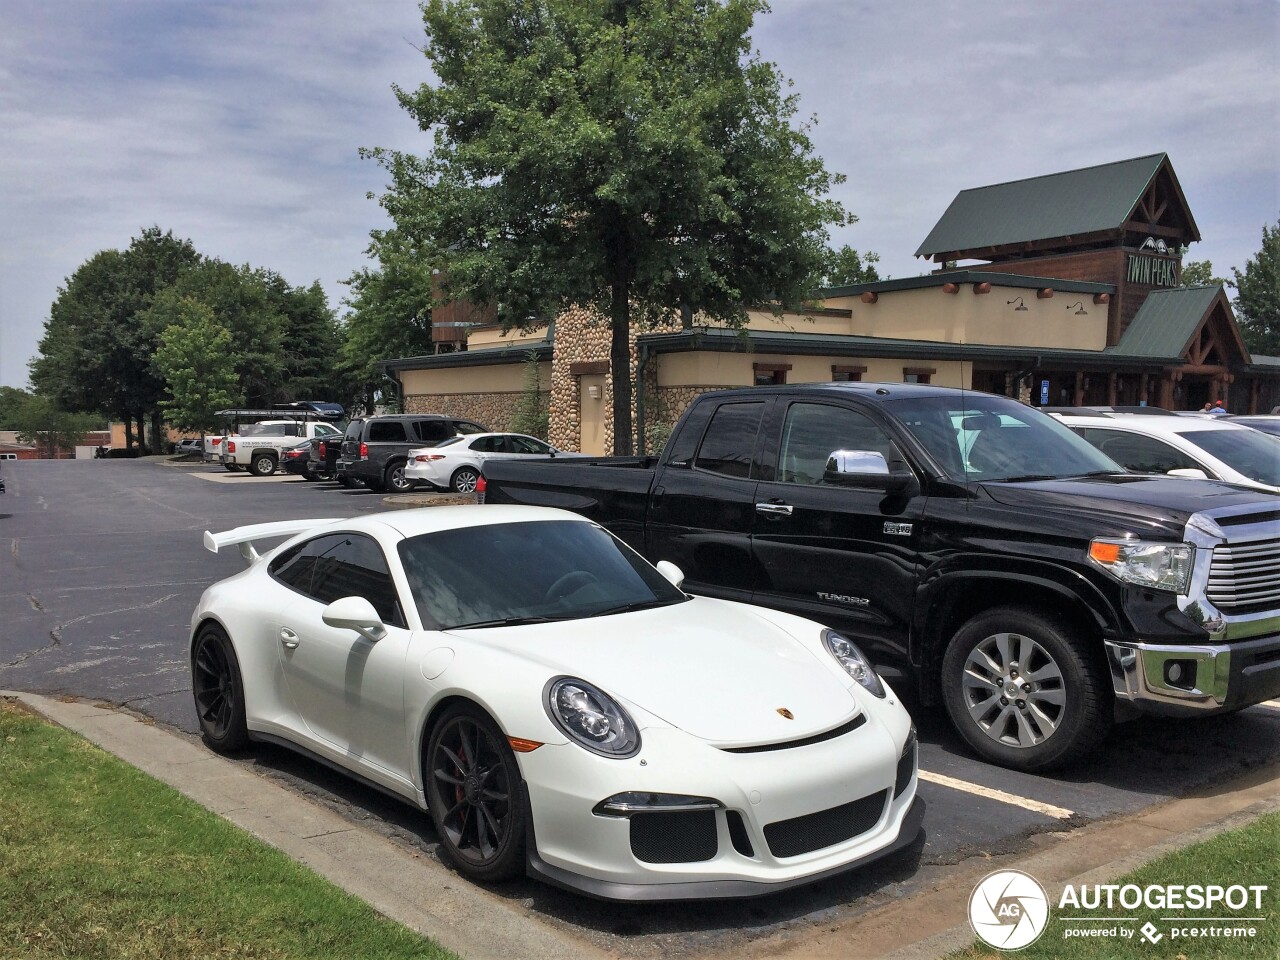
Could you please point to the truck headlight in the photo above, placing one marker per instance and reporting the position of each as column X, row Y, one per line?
column 1161, row 566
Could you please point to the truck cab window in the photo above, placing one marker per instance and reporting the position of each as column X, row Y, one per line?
column 812, row 431
column 730, row 439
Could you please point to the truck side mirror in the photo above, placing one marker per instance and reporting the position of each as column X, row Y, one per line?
column 868, row 470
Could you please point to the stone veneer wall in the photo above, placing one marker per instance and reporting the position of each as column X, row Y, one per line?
column 496, row 411
column 582, row 336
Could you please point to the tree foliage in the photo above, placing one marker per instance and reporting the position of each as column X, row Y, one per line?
column 1199, row 273
column 1257, row 299
column 195, row 359
column 634, row 156
column 847, row 266
column 532, row 414
column 390, row 313
column 10, row 399
column 40, row 421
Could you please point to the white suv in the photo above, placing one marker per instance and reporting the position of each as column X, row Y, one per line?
column 1183, row 446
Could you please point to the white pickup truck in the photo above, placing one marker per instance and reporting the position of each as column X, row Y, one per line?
column 259, row 446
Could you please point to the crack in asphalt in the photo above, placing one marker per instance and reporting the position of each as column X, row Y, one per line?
column 55, row 634
column 35, row 604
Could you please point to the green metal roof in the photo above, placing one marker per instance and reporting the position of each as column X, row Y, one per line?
column 1043, row 208
column 1166, row 321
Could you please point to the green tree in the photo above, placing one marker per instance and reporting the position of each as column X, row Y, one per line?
column 532, row 415
column 390, row 313
column 40, row 421
column 10, row 399
column 1257, row 301
column 847, row 266
column 634, row 156
column 95, row 355
column 1199, row 273
column 196, row 360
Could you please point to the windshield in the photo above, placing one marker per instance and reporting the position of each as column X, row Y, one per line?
column 977, row 436
column 1254, row 454
column 535, row 571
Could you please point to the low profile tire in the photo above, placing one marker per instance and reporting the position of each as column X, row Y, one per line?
column 395, row 480
column 465, row 480
column 262, row 465
column 473, row 790
column 218, row 691
column 1023, row 691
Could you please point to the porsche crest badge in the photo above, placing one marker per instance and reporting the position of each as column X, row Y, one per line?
column 786, row 713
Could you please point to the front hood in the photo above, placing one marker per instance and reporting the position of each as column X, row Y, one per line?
column 715, row 670
column 1160, row 501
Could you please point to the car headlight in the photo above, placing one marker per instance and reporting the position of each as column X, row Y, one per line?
column 853, row 661
column 1162, row 566
column 592, row 718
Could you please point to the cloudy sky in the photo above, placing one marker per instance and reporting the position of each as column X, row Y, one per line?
column 237, row 124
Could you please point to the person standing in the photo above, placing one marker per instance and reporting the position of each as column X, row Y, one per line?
column 1218, row 409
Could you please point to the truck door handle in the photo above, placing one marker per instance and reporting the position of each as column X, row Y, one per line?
column 288, row 638
column 656, row 498
column 774, row 509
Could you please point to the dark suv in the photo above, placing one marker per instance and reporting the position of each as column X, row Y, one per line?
column 374, row 449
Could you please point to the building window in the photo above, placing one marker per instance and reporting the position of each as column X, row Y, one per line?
column 918, row 374
column 846, row 374
column 770, row 373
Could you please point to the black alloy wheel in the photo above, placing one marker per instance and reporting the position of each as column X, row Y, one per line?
column 473, row 792
column 218, row 691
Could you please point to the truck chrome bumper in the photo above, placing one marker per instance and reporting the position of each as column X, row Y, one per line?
column 1188, row 679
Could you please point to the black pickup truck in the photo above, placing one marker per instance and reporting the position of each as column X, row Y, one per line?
column 969, row 543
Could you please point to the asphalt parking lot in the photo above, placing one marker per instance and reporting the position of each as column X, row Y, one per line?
column 101, row 563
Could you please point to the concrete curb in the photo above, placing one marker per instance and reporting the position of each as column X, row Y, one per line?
column 406, row 887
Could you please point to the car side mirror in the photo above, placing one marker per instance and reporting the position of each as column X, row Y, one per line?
column 672, row 573
column 868, row 470
column 355, row 613
column 1189, row 472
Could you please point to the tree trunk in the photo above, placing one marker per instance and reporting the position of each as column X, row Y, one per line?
column 159, row 441
column 128, row 432
column 620, row 367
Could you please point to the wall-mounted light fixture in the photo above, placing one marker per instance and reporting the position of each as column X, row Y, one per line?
column 1018, row 301
column 1080, row 310
column 593, row 391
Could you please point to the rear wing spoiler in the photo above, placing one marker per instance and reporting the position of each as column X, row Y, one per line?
column 245, row 536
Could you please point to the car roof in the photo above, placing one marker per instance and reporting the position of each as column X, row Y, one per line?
column 1152, row 425
column 412, row 523
column 869, row 390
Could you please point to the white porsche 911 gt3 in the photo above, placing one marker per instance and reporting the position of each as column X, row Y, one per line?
column 556, row 703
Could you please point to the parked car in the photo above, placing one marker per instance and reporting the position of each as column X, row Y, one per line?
column 1199, row 447
column 458, row 463
column 297, row 459
column 558, row 705
column 260, row 446
column 375, row 450
column 1019, row 578
column 1267, row 423
column 188, row 445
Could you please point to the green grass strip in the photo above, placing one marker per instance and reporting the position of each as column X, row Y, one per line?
column 1247, row 856
column 98, row 860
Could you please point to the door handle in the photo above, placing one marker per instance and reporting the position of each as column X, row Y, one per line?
column 288, row 638
column 774, row 509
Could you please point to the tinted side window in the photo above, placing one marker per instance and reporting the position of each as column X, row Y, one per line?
column 387, row 431
column 487, row 445
column 730, row 440
column 813, row 431
column 433, row 431
column 1136, row 452
column 353, row 429
column 340, row 565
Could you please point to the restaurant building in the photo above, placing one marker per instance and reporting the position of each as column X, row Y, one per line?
column 1060, row 290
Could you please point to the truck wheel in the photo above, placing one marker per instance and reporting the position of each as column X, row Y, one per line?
column 262, row 465
column 395, row 480
column 465, row 480
column 1022, row 691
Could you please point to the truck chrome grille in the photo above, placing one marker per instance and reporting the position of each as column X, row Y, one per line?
column 1245, row 576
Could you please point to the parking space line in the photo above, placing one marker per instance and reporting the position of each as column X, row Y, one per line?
column 1269, row 704
column 1048, row 809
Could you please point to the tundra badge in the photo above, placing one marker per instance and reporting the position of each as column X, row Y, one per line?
column 897, row 529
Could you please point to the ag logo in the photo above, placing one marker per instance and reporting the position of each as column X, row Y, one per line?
column 1008, row 910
